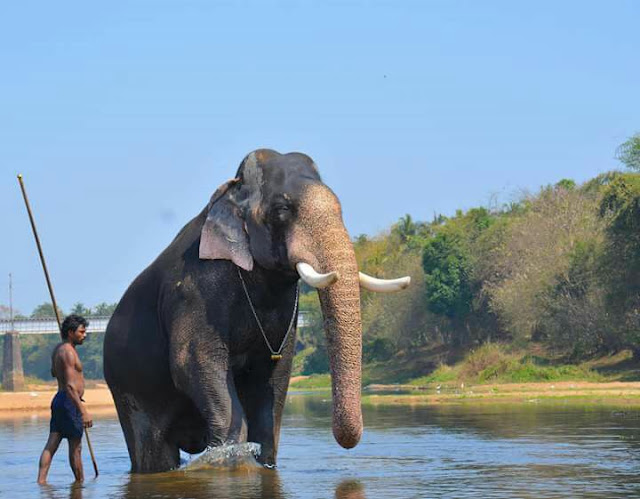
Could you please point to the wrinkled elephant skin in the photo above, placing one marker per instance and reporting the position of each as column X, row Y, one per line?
column 184, row 356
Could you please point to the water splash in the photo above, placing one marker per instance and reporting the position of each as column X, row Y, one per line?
column 226, row 456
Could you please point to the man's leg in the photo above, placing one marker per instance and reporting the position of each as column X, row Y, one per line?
column 50, row 449
column 75, row 458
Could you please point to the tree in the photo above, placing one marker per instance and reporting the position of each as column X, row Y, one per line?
column 104, row 309
column 45, row 311
column 405, row 228
column 80, row 309
column 566, row 183
column 535, row 275
column 5, row 313
column 621, row 204
column 313, row 333
column 447, row 268
column 629, row 153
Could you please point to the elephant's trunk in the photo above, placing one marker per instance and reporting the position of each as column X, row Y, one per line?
column 321, row 239
column 341, row 311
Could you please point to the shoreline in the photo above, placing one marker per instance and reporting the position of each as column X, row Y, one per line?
column 612, row 393
column 36, row 401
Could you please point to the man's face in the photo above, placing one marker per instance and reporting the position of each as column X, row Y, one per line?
column 78, row 336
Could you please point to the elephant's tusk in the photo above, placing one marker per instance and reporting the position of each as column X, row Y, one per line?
column 309, row 275
column 383, row 285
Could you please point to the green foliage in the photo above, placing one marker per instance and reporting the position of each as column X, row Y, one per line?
column 316, row 362
column 400, row 318
column 313, row 333
column 447, row 270
column 91, row 356
column 566, row 183
column 452, row 263
column 621, row 263
column 529, row 372
column 104, row 309
column 443, row 374
column 37, row 350
column 36, row 354
column 313, row 358
column 378, row 349
column 521, row 268
column 45, row 311
column 494, row 363
column 299, row 360
column 574, row 316
column 316, row 381
column 479, row 360
column 79, row 309
column 629, row 153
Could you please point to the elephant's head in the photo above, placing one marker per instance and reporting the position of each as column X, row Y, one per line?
column 278, row 214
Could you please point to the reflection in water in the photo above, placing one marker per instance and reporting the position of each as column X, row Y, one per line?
column 75, row 491
column 485, row 420
column 526, row 450
column 350, row 489
column 240, row 482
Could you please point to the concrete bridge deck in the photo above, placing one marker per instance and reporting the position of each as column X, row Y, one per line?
column 96, row 325
column 48, row 325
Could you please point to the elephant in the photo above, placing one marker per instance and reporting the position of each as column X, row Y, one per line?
column 198, row 352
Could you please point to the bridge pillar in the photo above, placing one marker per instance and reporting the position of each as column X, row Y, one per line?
column 12, row 373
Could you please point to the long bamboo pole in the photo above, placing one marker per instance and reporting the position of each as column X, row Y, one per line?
column 53, row 298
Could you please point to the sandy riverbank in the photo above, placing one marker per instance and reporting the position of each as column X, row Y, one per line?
column 38, row 401
column 98, row 397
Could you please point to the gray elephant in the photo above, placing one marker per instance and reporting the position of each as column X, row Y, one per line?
column 198, row 352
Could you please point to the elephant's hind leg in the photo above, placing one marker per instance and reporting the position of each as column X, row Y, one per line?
column 145, row 430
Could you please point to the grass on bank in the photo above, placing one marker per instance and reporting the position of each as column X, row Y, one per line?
column 492, row 363
column 313, row 382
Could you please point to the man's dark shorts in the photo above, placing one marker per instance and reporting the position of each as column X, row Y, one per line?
column 65, row 417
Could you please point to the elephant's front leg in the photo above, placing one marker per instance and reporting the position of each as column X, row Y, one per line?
column 203, row 374
column 262, row 391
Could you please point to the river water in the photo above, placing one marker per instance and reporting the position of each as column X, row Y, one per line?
column 523, row 451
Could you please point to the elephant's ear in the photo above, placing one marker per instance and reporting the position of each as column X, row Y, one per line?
column 223, row 235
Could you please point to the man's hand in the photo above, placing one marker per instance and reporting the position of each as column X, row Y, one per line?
column 87, row 421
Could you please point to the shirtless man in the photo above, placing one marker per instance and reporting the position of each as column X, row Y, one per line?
column 69, row 416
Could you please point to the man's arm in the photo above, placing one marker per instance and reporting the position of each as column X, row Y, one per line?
column 69, row 381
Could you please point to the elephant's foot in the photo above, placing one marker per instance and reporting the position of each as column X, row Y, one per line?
column 145, row 430
column 156, row 457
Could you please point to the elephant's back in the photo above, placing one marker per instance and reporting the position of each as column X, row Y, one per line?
column 136, row 342
column 135, row 348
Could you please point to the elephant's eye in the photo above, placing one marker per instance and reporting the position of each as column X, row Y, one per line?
column 281, row 212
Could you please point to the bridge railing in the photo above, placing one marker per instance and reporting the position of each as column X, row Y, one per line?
column 48, row 325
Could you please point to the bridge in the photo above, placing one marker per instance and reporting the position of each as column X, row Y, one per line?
column 48, row 325
column 96, row 325
column 12, row 372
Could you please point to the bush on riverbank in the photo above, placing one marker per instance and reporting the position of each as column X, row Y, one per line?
column 496, row 363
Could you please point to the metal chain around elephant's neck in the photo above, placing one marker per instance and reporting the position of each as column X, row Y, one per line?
column 275, row 354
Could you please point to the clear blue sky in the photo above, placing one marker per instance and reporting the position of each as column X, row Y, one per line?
column 125, row 116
